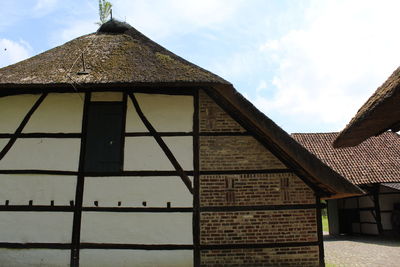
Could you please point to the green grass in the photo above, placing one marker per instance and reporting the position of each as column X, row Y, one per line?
column 325, row 226
column 327, row 264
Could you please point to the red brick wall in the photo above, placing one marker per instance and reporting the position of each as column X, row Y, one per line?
column 235, row 153
column 251, row 227
column 213, row 118
column 295, row 256
column 254, row 189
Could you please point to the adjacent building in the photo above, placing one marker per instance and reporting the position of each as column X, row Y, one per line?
column 374, row 166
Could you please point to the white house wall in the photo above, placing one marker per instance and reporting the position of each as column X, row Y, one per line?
column 133, row 191
column 49, row 217
column 43, row 153
column 133, row 121
column 371, row 229
column 34, row 257
column 144, row 153
column 167, row 113
column 31, row 227
column 42, row 189
column 58, row 113
column 13, row 110
column 137, row 228
column 140, row 258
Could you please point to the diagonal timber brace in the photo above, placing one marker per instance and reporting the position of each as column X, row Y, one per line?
column 162, row 144
column 18, row 131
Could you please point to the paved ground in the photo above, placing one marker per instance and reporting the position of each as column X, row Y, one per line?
column 361, row 251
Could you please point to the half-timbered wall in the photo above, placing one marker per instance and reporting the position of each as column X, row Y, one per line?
column 359, row 214
column 254, row 210
column 54, row 213
column 194, row 187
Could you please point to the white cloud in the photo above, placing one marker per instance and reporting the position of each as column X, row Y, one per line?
column 326, row 69
column 162, row 18
column 12, row 52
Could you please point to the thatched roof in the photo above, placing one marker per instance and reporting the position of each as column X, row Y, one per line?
column 118, row 57
column 377, row 160
column 117, row 53
column 380, row 113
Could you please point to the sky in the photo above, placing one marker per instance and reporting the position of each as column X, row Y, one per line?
column 308, row 65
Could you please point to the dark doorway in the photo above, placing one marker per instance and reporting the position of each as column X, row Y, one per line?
column 104, row 137
column 346, row 219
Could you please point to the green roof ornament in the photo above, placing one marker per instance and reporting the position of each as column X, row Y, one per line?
column 105, row 11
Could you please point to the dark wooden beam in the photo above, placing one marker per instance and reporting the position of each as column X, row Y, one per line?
column 77, row 220
column 196, row 179
column 377, row 207
column 320, row 233
column 41, row 135
column 259, row 245
column 260, row 207
column 137, row 209
column 136, row 246
column 35, row 245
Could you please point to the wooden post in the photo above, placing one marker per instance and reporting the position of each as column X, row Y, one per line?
column 377, row 209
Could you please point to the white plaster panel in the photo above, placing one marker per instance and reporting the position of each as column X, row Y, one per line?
column 144, row 153
column 135, row 258
column 132, row 191
column 350, row 203
column 58, row 113
column 366, row 202
column 386, row 201
column 27, row 227
column 42, row 189
column 34, row 257
column 106, row 96
column 386, row 220
column 3, row 143
column 369, row 229
column 137, row 228
column 182, row 148
column 366, row 216
column 168, row 113
column 133, row 121
column 13, row 110
column 384, row 189
column 43, row 153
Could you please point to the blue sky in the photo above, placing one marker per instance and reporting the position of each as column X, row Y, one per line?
column 308, row 65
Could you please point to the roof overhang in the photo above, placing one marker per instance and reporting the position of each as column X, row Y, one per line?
column 380, row 113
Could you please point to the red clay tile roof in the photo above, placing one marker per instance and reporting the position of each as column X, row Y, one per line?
column 376, row 160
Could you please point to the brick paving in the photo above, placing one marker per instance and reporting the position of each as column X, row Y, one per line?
column 357, row 251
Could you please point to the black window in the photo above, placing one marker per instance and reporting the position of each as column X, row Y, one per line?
column 104, row 137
